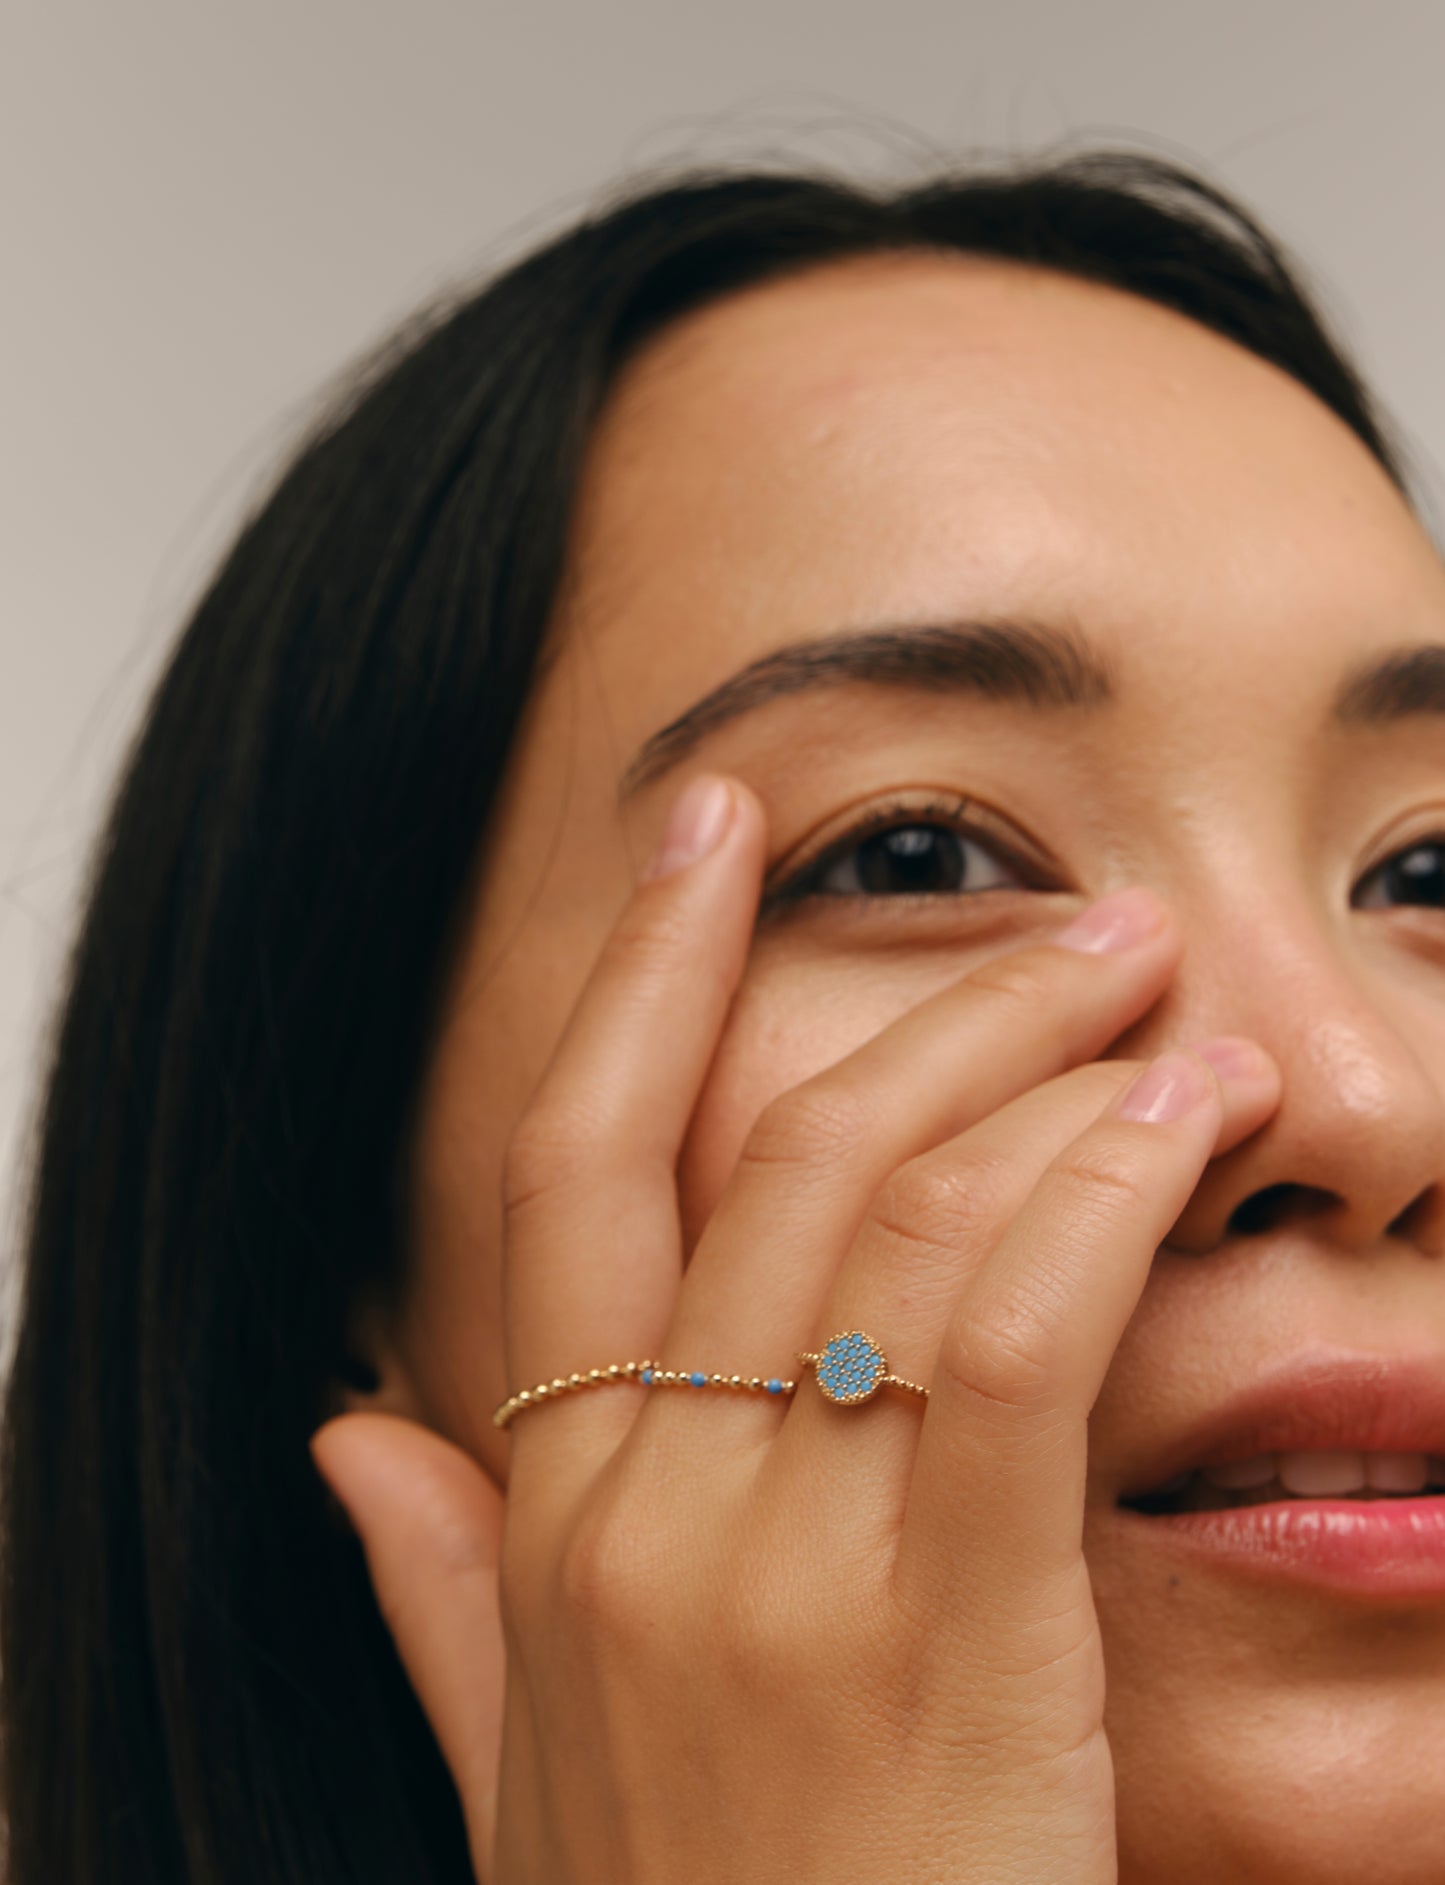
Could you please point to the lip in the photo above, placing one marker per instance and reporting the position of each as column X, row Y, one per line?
column 1386, row 1548
column 1318, row 1399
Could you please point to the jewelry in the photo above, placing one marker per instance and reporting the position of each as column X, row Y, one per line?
column 650, row 1373
column 852, row 1368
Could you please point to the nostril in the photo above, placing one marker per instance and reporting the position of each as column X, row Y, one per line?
column 1420, row 1223
column 1264, row 1210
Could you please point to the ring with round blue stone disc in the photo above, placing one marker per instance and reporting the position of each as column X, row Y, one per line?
column 851, row 1368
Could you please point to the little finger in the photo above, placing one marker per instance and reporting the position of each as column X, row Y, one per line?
column 999, row 1473
column 937, row 1219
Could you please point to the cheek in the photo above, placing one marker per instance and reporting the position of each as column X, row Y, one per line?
column 789, row 1021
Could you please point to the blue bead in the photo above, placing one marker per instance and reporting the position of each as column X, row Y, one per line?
column 647, row 1374
column 698, row 1380
column 775, row 1386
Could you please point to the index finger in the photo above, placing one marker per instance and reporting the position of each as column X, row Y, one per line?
column 592, row 1250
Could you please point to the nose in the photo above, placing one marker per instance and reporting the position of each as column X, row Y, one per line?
column 1357, row 1145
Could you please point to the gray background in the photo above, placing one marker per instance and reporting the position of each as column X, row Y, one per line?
column 207, row 208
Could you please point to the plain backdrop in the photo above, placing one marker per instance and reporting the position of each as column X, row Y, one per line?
column 207, row 207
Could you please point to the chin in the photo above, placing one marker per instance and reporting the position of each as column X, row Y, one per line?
column 1231, row 1767
column 1287, row 1836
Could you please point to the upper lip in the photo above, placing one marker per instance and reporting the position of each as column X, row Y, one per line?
column 1317, row 1400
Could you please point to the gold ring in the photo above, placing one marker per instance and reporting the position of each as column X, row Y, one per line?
column 852, row 1368
column 651, row 1374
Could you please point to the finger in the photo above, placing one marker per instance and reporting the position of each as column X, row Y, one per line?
column 936, row 1221
column 999, row 1471
column 818, row 1154
column 592, row 1248
column 430, row 1522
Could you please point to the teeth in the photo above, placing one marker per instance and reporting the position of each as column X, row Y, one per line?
column 1397, row 1472
column 1239, row 1475
column 1269, row 1476
column 1318, row 1474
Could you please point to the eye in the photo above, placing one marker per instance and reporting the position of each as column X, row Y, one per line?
column 909, row 851
column 1415, row 875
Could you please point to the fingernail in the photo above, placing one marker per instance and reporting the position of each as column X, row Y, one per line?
column 701, row 815
column 1118, row 921
column 1168, row 1088
column 1233, row 1057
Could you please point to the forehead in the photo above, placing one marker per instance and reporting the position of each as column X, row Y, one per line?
column 934, row 437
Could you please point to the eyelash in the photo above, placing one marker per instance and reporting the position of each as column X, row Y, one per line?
column 958, row 818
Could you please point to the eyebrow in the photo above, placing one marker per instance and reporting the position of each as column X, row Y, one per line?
column 1026, row 663
column 1398, row 686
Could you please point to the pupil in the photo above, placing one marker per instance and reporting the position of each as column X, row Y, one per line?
column 917, row 858
column 1419, row 875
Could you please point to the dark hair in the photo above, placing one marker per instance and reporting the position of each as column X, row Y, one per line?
column 197, row 1685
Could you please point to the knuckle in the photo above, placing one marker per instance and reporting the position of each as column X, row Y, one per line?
column 1102, row 1180
column 936, row 1209
column 821, row 1122
column 542, row 1153
column 612, row 1581
column 999, row 1356
column 661, row 950
column 651, row 943
column 1020, row 985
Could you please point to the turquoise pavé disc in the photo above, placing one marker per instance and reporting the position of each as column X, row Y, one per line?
column 851, row 1367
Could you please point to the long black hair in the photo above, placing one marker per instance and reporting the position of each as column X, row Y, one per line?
column 196, row 1684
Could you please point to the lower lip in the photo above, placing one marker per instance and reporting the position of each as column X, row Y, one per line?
column 1380, row 1548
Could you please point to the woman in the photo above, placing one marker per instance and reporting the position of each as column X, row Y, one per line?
column 997, row 612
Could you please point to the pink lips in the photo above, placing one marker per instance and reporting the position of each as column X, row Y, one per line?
column 1329, row 1401
column 1387, row 1548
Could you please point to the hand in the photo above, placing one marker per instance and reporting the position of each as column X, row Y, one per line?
column 753, row 1638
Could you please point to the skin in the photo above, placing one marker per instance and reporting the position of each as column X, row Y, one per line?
column 929, row 440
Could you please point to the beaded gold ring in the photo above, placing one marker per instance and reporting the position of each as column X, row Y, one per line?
column 850, row 1369
column 651, row 1374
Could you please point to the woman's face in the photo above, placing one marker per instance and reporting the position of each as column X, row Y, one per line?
column 924, row 443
